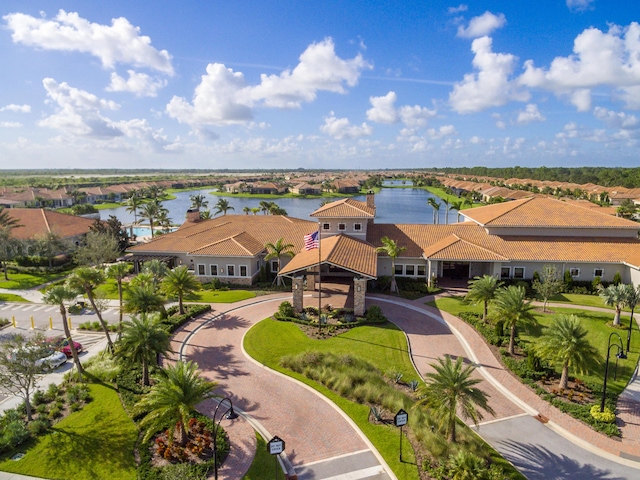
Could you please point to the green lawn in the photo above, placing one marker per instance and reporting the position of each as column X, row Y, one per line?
column 263, row 466
column 582, row 299
column 24, row 281
column 96, row 442
column 9, row 297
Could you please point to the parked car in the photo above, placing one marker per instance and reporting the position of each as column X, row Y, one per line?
column 62, row 344
column 49, row 359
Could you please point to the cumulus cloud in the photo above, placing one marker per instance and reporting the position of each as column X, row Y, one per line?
column 459, row 9
column 441, row 132
column 599, row 58
column 613, row 119
column 10, row 124
column 119, row 43
column 223, row 97
column 482, row 25
column 340, row 128
column 491, row 86
column 12, row 107
column 530, row 114
column 384, row 111
column 580, row 5
column 140, row 84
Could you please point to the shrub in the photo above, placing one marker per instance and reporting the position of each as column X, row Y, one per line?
column 38, row 426
column 374, row 315
column 286, row 310
column 103, row 366
column 605, row 417
column 14, row 434
column 38, row 398
column 55, row 412
column 173, row 322
column 617, row 279
column 52, row 392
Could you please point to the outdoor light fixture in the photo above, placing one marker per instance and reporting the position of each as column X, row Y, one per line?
column 619, row 355
column 230, row 414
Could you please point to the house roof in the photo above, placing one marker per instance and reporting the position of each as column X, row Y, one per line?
column 345, row 208
column 38, row 222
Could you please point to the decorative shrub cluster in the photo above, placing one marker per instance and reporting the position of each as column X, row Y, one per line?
column 606, row 417
column 173, row 322
column 343, row 316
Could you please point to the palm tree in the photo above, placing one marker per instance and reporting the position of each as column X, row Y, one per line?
column 457, row 206
column 59, row 295
column 163, row 220
column 277, row 250
column 150, row 211
column 265, row 207
column 172, row 400
column 7, row 220
column 223, row 206
column 198, row 201
column 179, row 282
column 446, row 210
column 246, row 210
column 205, row 215
column 85, row 280
column 449, row 389
column 255, row 210
column 512, row 308
column 143, row 299
column 614, row 296
column 133, row 203
column 157, row 269
column 565, row 342
column 390, row 248
column 143, row 339
column 9, row 247
column 436, row 209
column 118, row 272
column 483, row 289
column 632, row 300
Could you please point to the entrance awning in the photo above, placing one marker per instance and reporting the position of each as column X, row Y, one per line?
column 137, row 257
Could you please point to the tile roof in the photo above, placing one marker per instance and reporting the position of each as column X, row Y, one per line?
column 38, row 222
column 345, row 208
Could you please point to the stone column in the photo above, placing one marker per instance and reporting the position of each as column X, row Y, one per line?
column 311, row 282
column 359, row 296
column 298, row 283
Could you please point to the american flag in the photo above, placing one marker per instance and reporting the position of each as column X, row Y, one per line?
column 311, row 241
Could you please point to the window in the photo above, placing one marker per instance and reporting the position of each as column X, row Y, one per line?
column 575, row 272
column 410, row 270
column 505, row 272
column 422, row 270
column 598, row 272
column 357, row 227
column 213, row 270
column 243, row 270
column 326, row 226
column 274, row 265
column 518, row 272
column 399, row 269
column 231, row 270
column 342, row 226
column 201, row 269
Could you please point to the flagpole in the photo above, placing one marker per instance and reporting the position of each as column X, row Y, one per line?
column 319, row 277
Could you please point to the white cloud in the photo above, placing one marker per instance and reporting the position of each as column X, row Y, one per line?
column 16, row 108
column 490, row 87
column 482, row 25
column 383, row 110
column 10, row 124
column 617, row 119
column 119, row 43
column 416, row 116
column 140, row 84
column 340, row 128
column 501, row 125
column 459, row 9
column 580, row 5
column 443, row 131
column 530, row 114
column 475, row 140
column 599, row 59
column 224, row 98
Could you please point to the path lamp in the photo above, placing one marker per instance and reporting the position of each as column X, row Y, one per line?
column 620, row 355
column 633, row 297
column 228, row 414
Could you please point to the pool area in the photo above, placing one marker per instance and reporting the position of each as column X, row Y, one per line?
column 145, row 231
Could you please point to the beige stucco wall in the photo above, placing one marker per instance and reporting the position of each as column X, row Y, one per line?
column 349, row 227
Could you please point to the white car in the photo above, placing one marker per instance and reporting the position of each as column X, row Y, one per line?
column 53, row 361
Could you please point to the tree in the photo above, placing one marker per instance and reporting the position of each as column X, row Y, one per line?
column 112, row 226
column 255, row 210
column 97, row 249
column 548, row 285
column 565, row 342
column 85, row 280
column 483, row 289
column 632, row 299
column 118, row 272
column 20, row 370
column 449, row 389
column 143, row 299
column 157, row 269
column 276, row 209
column 198, row 201
column 265, row 206
column 9, row 247
column 223, row 206
column 59, row 295
column 7, row 220
column 457, row 206
column 512, row 308
column 143, row 339
column 435, row 205
column 134, row 202
column 179, row 282
column 150, row 211
column 278, row 250
column 391, row 249
column 614, row 296
column 246, row 210
column 172, row 400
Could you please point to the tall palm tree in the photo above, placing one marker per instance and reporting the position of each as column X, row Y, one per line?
column 445, row 201
column 614, row 296
column 118, row 272
column 172, row 400
column 179, row 282
column 512, row 308
column 9, row 247
column 457, row 206
column 223, row 206
column 565, row 342
column 198, row 201
column 255, row 210
column 143, row 339
column 632, row 300
column 86, row 280
column 278, row 250
column 391, row 249
column 143, row 299
column 157, row 268
column 7, row 220
column 163, row 220
column 265, row 206
column 60, row 295
column 449, row 389
column 246, row 210
column 133, row 204
column 150, row 211
column 435, row 205
column 205, row 215
column 483, row 289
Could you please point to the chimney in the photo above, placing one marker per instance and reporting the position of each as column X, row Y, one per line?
column 193, row 215
column 370, row 199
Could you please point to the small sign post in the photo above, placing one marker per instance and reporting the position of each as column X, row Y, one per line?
column 275, row 447
column 400, row 420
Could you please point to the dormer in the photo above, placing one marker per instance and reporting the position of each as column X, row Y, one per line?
column 348, row 217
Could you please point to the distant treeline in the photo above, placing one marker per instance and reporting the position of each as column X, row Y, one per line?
column 607, row 177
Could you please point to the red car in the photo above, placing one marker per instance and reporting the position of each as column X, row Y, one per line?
column 62, row 344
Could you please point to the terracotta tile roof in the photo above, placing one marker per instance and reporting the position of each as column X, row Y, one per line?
column 454, row 248
column 38, row 221
column 346, row 208
column 338, row 250
column 543, row 212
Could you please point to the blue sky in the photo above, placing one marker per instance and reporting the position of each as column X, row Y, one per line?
column 331, row 84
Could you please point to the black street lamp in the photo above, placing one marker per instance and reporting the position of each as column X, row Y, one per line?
column 228, row 414
column 620, row 355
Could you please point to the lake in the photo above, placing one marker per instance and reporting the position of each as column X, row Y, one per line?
column 393, row 205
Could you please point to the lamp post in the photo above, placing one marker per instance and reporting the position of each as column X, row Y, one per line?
column 229, row 414
column 620, row 355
